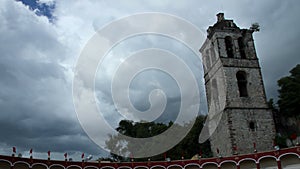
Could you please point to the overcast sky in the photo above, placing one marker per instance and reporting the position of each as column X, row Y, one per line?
column 41, row 40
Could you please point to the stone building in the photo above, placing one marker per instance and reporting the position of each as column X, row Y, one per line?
column 240, row 118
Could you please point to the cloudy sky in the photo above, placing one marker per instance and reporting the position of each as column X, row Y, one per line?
column 41, row 41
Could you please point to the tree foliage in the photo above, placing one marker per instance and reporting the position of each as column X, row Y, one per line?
column 289, row 93
column 188, row 147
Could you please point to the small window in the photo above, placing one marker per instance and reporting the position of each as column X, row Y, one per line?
column 252, row 126
column 242, row 47
column 242, row 83
column 229, row 46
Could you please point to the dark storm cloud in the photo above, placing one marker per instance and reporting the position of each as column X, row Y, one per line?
column 277, row 44
column 35, row 96
column 146, row 81
column 36, row 108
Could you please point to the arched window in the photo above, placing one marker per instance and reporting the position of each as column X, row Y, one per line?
column 242, row 47
column 229, row 46
column 242, row 83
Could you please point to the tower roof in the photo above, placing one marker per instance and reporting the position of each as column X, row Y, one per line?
column 222, row 25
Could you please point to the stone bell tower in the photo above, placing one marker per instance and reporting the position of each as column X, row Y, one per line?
column 236, row 98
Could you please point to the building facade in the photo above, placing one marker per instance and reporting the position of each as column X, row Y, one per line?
column 281, row 159
column 240, row 119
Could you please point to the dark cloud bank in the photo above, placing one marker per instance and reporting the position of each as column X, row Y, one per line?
column 36, row 109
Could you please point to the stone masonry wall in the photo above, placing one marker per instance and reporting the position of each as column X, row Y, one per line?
column 256, row 93
column 243, row 136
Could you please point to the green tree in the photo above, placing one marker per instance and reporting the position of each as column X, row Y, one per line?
column 289, row 93
column 188, row 147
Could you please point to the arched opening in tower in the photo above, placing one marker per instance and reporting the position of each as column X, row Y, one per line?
column 242, row 83
column 229, row 46
column 242, row 47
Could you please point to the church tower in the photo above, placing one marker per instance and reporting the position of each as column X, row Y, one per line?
column 240, row 118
